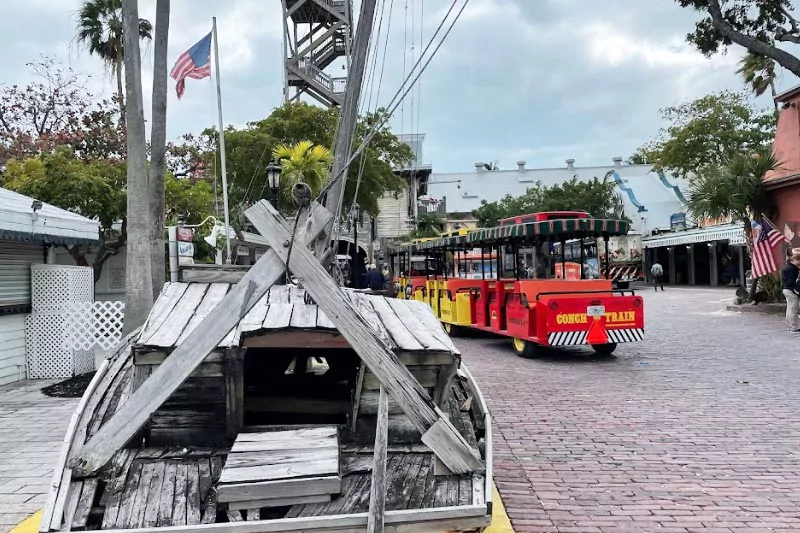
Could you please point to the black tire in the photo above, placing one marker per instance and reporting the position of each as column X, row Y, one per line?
column 605, row 349
column 452, row 329
column 525, row 349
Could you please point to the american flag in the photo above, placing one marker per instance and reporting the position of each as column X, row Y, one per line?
column 193, row 63
column 765, row 240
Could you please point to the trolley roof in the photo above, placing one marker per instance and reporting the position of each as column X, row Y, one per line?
column 569, row 228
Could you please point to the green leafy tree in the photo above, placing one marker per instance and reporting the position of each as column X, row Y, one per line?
column 96, row 189
column 735, row 190
column 249, row 148
column 100, row 30
column 758, row 73
column 708, row 131
column 759, row 26
column 598, row 197
column 428, row 225
column 303, row 162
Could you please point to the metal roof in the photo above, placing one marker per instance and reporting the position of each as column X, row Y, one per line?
column 49, row 224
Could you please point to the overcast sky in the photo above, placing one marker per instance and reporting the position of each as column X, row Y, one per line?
column 537, row 80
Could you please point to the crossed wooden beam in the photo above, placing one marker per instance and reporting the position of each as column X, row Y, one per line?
column 437, row 432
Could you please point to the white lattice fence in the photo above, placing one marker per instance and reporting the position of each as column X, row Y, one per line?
column 93, row 324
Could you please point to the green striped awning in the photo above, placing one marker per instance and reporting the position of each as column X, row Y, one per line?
column 590, row 227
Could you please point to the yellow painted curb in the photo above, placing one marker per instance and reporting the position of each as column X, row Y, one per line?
column 30, row 524
column 500, row 521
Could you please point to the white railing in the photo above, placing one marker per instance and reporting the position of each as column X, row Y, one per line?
column 338, row 85
column 93, row 325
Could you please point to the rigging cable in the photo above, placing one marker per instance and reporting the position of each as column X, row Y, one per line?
column 401, row 93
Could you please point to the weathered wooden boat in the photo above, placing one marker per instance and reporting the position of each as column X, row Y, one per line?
column 283, row 426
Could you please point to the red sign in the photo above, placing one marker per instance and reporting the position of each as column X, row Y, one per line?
column 185, row 234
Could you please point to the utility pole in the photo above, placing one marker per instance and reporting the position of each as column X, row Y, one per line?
column 348, row 116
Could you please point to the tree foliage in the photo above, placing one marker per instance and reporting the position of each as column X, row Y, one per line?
column 249, row 148
column 304, row 162
column 756, row 25
column 708, row 131
column 598, row 197
column 758, row 73
column 54, row 110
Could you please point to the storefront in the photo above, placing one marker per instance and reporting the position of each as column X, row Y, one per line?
column 714, row 255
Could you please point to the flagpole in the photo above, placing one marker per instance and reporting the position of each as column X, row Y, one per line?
column 221, row 144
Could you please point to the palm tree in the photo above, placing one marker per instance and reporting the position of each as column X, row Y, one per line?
column 303, row 162
column 100, row 28
column 735, row 191
column 758, row 72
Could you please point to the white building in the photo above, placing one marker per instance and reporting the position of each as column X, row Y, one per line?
column 29, row 233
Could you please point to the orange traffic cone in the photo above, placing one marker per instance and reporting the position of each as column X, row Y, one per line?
column 597, row 333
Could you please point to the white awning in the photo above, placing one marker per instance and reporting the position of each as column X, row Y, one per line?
column 733, row 233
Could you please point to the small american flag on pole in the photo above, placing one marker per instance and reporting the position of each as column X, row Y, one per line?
column 193, row 63
column 765, row 240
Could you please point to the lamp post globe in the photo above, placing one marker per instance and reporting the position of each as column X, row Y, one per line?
column 274, row 178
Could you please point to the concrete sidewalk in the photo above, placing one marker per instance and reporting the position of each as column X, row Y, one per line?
column 32, row 428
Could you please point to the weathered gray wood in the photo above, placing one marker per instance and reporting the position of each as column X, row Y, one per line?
column 120, row 465
column 323, row 321
column 304, row 316
column 234, row 392
column 88, row 493
column 170, row 330
column 279, row 316
column 179, row 505
column 277, row 471
column 377, row 496
column 126, row 505
column 405, row 339
column 181, row 362
column 362, row 370
column 413, row 323
column 73, row 497
column 444, row 440
column 156, row 358
column 369, row 404
column 255, row 317
column 215, row 293
column 167, row 495
column 283, row 488
column 253, row 514
column 424, row 312
column 362, row 304
column 425, row 376
column 285, row 457
column 279, row 294
column 444, row 384
column 170, row 294
column 291, row 434
column 137, row 505
column 150, row 518
column 478, row 489
column 213, row 273
column 234, row 516
column 210, row 507
column 279, row 502
column 193, row 514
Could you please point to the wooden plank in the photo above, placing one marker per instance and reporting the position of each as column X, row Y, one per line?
column 170, row 295
column 156, row 358
column 253, row 515
column 362, row 303
column 304, row 316
column 88, row 493
column 478, row 493
column 297, row 295
column 215, row 293
column 429, row 320
column 278, row 471
column 128, row 500
column 204, row 470
column 170, row 330
column 426, row 376
column 397, row 379
column 234, row 392
column 279, row 316
column 234, row 516
column 228, row 274
column 279, row 502
column 413, row 323
column 323, row 321
column 444, row 384
column 402, row 336
column 296, row 405
column 179, row 504
column 193, row 498
column 255, row 317
column 150, row 518
column 362, row 370
column 465, row 518
column 465, row 490
column 138, row 505
column 279, row 293
column 71, row 505
column 251, row 459
column 210, row 507
column 377, row 496
column 369, row 404
column 279, row 489
column 120, row 467
column 185, row 358
column 167, row 499
column 297, row 436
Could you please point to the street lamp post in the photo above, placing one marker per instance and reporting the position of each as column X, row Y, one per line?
column 274, row 177
column 355, row 214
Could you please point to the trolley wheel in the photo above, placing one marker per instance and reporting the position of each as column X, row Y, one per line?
column 452, row 329
column 525, row 349
column 605, row 349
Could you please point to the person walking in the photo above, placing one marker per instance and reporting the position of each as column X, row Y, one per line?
column 789, row 278
column 374, row 278
column 657, row 273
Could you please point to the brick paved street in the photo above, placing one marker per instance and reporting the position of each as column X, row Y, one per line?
column 695, row 429
column 32, row 428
